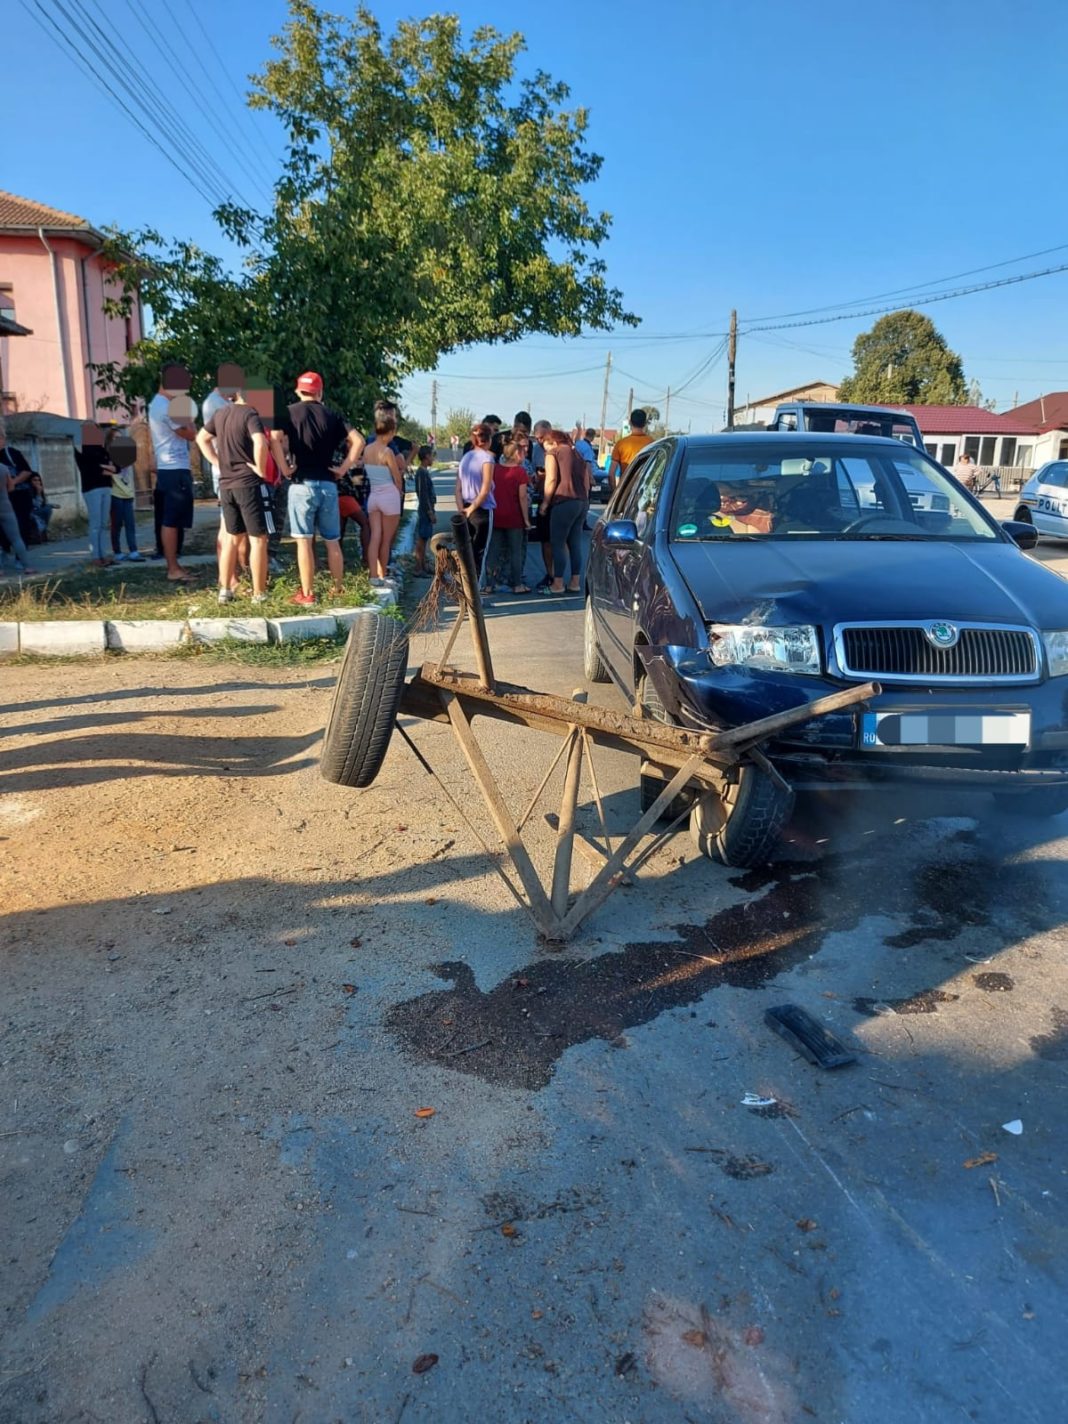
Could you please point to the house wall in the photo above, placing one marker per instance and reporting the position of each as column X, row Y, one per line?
column 764, row 410
column 47, row 371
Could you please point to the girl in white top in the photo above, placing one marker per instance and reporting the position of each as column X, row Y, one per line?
column 386, row 480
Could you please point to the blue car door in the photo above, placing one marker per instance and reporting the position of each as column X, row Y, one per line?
column 620, row 565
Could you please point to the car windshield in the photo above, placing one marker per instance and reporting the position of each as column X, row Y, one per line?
column 828, row 420
column 767, row 491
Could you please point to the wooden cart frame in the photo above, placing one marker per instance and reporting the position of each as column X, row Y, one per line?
column 683, row 757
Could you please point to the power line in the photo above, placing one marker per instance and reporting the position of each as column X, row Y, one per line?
column 915, row 286
column 170, row 58
column 75, row 54
column 924, row 301
column 142, row 95
column 216, row 120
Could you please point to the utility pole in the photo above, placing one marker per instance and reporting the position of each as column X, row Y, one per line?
column 630, row 404
column 434, row 409
column 732, row 352
column 667, row 412
column 604, row 398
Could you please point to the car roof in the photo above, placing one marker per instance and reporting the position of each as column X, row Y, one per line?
column 847, row 405
column 798, row 439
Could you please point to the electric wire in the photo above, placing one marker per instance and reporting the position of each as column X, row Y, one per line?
column 63, row 43
column 922, row 301
column 142, row 97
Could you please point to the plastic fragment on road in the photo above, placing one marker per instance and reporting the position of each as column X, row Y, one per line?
column 754, row 1100
column 1015, row 1127
column 805, row 1033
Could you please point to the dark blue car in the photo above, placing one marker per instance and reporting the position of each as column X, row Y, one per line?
column 737, row 575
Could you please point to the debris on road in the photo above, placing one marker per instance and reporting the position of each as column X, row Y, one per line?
column 424, row 1363
column 983, row 1160
column 1015, row 1127
column 754, row 1100
column 808, row 1036
column 425, row 1112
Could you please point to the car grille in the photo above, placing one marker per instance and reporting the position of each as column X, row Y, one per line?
column 904, row 651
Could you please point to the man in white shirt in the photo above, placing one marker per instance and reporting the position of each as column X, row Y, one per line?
column 172, row 434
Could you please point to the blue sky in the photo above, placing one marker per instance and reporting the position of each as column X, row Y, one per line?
column 769, row 156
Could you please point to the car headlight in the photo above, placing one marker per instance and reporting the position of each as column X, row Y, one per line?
column 1057, row 652
column 773, row 649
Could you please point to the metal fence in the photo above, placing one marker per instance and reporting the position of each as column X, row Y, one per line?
column 1011, row 478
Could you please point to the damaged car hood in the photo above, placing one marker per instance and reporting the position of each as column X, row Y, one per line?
column 780, row 582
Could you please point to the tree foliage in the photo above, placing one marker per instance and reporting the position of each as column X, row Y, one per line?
column 904, row 360
column 430, row 198
column 457, row 422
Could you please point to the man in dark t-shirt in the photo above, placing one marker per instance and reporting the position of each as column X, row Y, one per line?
column 234, row 441
column 315, row 434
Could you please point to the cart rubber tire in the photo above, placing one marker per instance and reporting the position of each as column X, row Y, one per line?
column 650, row 787
column 592, row 666
column 742, row 827
column 366, row 698
column 1040, row 801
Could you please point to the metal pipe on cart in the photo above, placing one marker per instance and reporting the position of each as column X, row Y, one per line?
column 468, row 570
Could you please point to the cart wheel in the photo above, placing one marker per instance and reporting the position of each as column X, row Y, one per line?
column 650, row 786
column 742, row 826
column 366, row 698
column 1040, row 801
column 592, row 665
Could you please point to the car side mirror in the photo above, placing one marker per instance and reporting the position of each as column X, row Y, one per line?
column 621, row 532
column 1024, row 536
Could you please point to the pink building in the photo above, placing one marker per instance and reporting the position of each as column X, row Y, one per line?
column 53, row 281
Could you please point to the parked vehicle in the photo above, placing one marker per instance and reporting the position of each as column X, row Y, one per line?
column 1044, row 500
column 794, row 416
column 734, row 576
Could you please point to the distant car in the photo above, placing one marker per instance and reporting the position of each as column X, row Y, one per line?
column 738, row 575
column 1044, row 500
column 843, row 419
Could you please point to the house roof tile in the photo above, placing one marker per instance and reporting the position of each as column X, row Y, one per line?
column 18, row 213
column 968, row 420
column 1047, row 412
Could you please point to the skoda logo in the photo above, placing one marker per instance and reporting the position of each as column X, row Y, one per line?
column 942, row 635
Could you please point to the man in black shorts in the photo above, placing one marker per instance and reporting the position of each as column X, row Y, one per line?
column 233, row 439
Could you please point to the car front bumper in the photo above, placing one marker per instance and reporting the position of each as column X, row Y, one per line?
column 829, row 750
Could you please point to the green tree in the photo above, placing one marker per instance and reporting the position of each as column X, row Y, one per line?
column 457, row 422
column 904, row 360
column 431, row 197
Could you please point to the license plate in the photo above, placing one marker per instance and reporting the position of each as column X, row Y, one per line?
column 945, row 729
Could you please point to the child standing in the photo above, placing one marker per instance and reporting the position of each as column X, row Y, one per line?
column 122, row 514
column 425, row 514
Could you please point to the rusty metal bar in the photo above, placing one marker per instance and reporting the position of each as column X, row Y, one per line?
column 540, row 908
column 465, row 559
column 767, row 726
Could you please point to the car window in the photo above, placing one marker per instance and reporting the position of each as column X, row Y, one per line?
column 624, row 500
column 792, row 490
column 645, row 492
column 1055, row 474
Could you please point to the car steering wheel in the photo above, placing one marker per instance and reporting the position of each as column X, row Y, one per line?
column 886, row 522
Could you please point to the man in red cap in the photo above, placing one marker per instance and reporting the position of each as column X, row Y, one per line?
column 315, row 435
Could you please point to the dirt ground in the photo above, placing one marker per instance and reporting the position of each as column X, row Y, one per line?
column 229, row 988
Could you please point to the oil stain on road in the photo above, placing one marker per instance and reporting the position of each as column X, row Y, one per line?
column 514, row 1033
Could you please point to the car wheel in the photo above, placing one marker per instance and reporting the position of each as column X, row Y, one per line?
column 592, row 665
column 1023, row 515
column 650, row 786
column 366, row 698
column 1040, row 801
column 742, row 825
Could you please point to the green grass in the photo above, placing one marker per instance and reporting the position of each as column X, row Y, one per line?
column 142, row 591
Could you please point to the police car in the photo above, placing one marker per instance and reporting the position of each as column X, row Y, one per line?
column 1044, row 500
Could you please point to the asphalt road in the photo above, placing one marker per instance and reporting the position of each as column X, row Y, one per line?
column 218, row 1200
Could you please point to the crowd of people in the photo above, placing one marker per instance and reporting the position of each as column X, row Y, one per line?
column 532, row 484
column 527, row 485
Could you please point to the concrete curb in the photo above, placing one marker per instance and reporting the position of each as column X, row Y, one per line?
column 78, row 637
